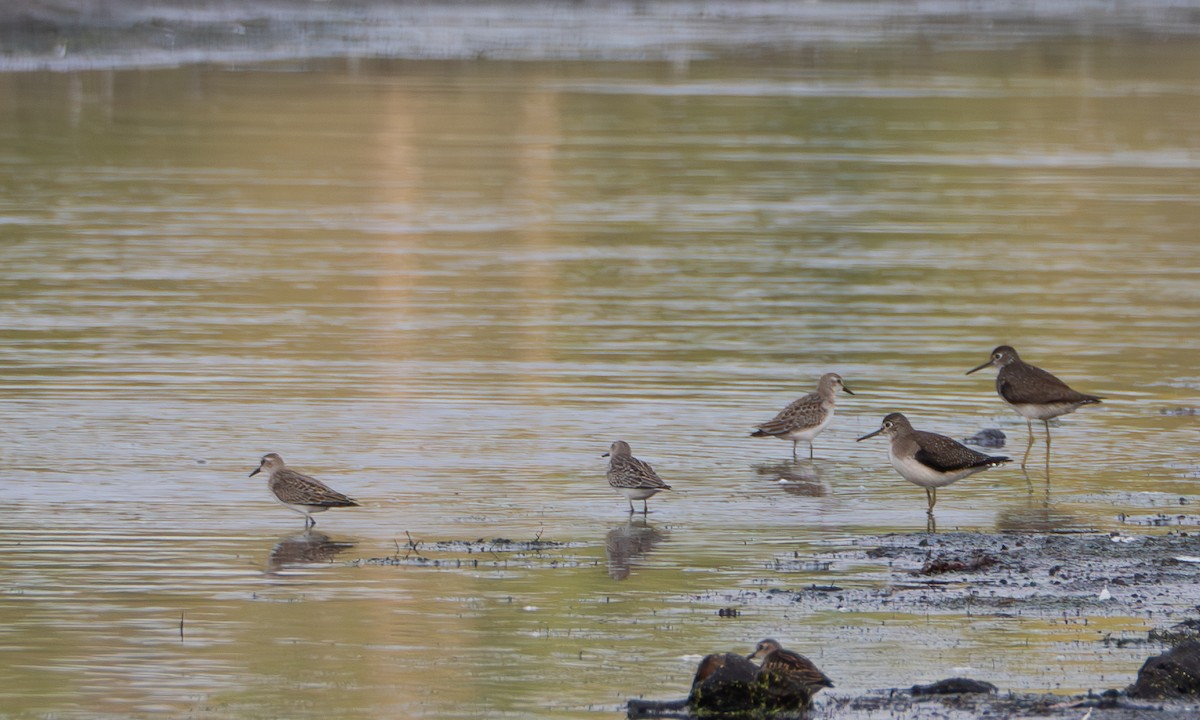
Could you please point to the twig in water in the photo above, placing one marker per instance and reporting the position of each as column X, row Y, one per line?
column 413, row 546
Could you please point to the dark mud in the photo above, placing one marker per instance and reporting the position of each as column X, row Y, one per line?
column 1106, row 706
column 1077, row 576
column 496, row 553
column 1003, row 575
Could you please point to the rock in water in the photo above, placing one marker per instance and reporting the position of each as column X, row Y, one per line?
column 953, row 686
column 989, row 438
column 723, row 683
column 729, row 685
column 1174, row 674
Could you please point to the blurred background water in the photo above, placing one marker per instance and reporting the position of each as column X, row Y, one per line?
column 445, row 279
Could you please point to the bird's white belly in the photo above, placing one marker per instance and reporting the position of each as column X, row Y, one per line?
column 808, row 433
column 304, row 509
column 1044, row 412
column 638, row 493
column 927, row 477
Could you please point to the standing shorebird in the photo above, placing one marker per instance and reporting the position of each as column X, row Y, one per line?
column 633, row 478
column 299, row 492
column 928, row 459
column 805, row 418
column 791, row 667
column 1033, row 392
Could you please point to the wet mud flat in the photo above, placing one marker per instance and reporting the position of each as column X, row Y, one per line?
column 1154, row 576
column 1076, row 576
column 904, row 704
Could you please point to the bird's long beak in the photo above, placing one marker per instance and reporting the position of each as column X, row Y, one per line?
column 604, row 455
column 847, row 389
column 989, row 362
column 255, row 472
column 869, row 435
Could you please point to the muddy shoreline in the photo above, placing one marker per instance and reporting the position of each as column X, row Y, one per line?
column 1078, row 577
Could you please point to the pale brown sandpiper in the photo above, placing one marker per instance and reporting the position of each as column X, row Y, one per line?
column 805, row 418
column 299, row 492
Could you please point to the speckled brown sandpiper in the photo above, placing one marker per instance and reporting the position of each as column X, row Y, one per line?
column 805, row 418
column 790, row 666
column 299, row 492
column 633, row 478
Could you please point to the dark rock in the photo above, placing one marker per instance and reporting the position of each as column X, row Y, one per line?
column 1174, row 674
column 1179, row 632
column 977, row 561
column 723, row 683
column 728, row 684
column 954, row 686
column 989, row 438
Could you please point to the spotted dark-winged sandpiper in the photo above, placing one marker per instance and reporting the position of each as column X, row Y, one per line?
column 299, row 492
column 1033, row 392
column 633, row 478
column 790, row 667
column 805, row 418
column 928, row 459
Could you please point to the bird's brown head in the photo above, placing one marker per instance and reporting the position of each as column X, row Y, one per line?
column 764, row 648
column 893, row 423
column 1001, row 356
column 269, row 462
column 833, row 382
column 619, row 449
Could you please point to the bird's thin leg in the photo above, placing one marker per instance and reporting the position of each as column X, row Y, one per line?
column 631, row 510
column 645, row 507
column 1047, row 422
column 930, row 522
column 794, row 457
column 1025, row 460
column 810, row 450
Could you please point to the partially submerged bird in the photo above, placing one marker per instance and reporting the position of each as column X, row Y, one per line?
column 784, row 666
column 805, row 418
column 928, row 459
column 1033, row 392
column 299, row 492
column 633, row 478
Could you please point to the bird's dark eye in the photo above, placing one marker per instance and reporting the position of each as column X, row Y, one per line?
column 887, row 424
column 997, row 356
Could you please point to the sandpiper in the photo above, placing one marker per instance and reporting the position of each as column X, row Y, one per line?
column 633, row 478
column 299, row 492
column 1033, row 392
column 791, row 666
column 805, row 418
column 928, row 459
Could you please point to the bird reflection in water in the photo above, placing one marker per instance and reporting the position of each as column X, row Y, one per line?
column 795, row 477
column 1037, row 516
column 307, row 548
column 627, row 542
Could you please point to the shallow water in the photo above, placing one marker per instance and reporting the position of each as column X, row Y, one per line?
column 446, row 287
